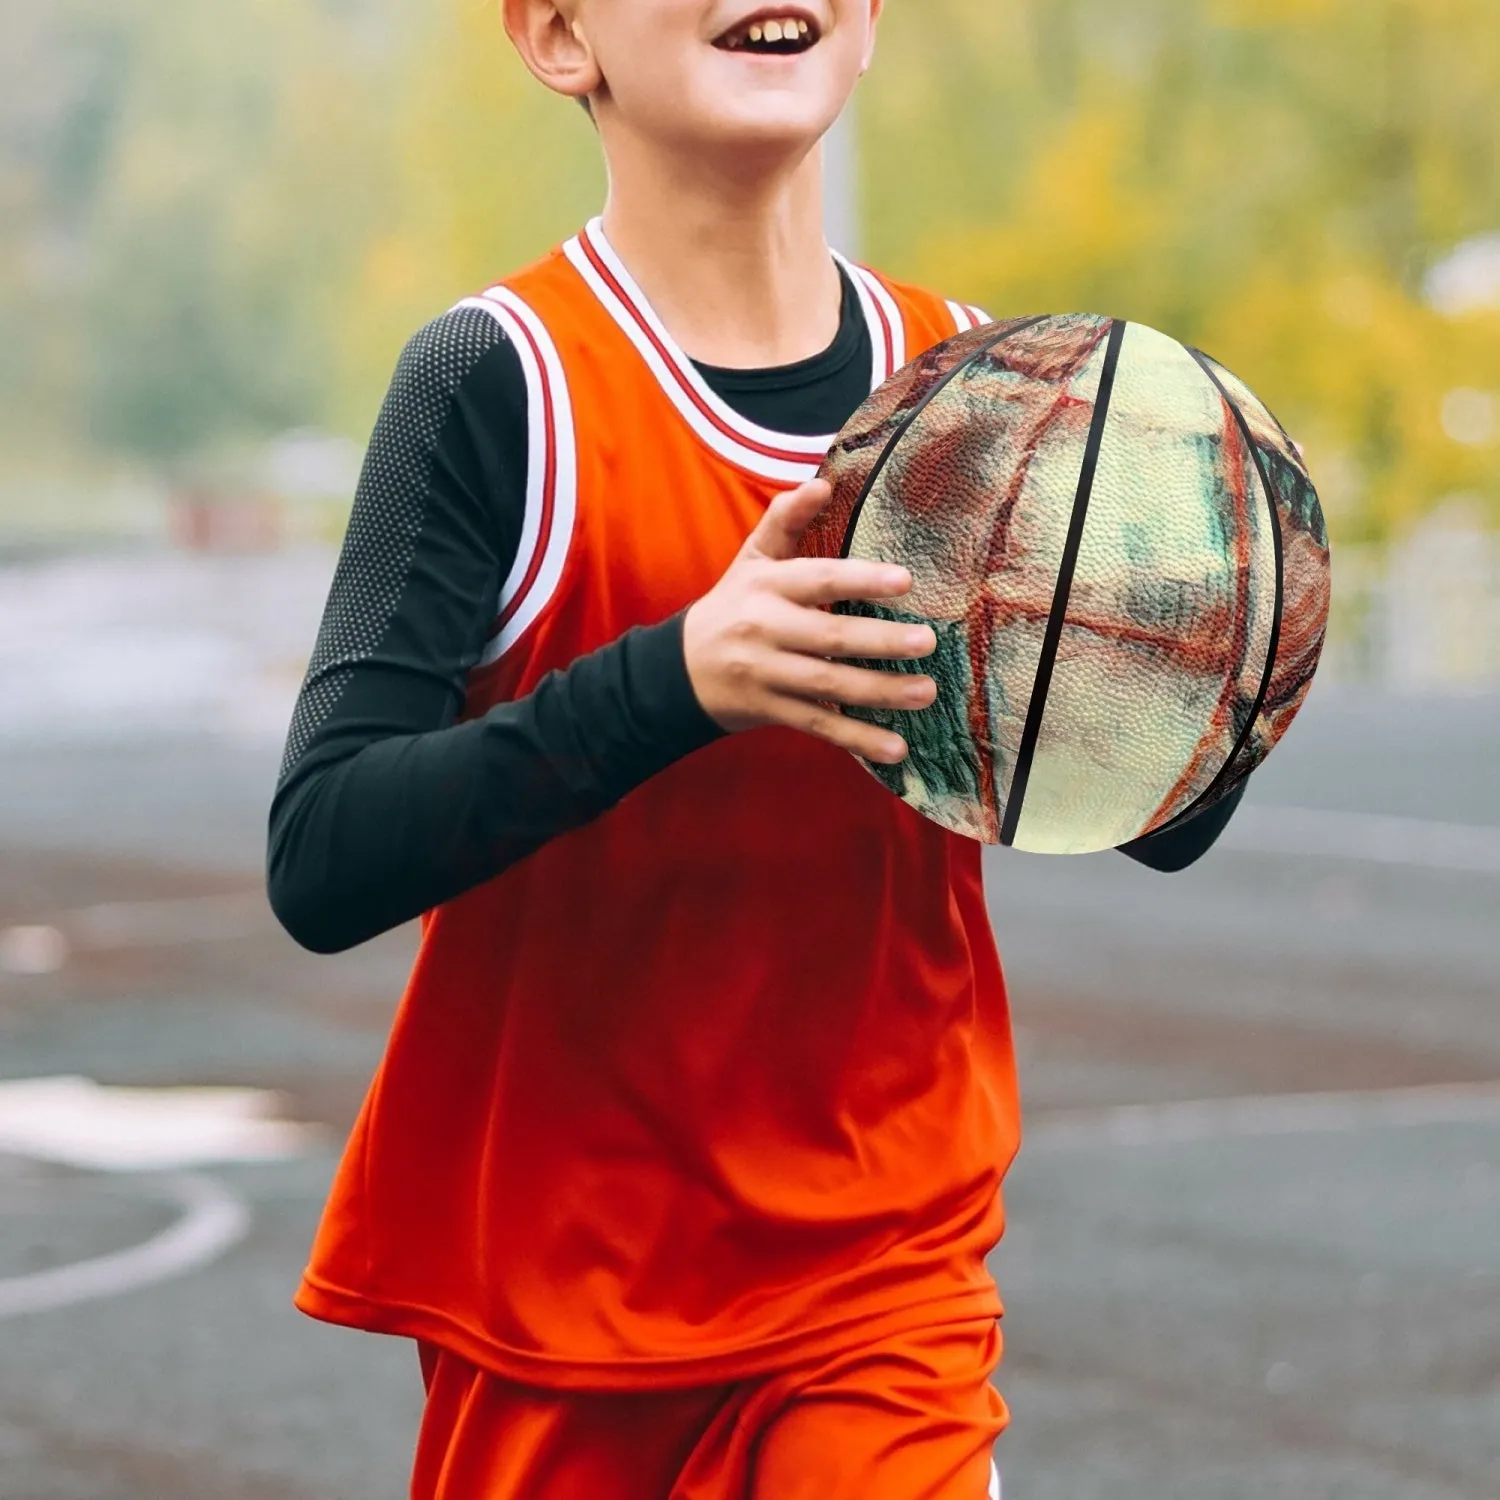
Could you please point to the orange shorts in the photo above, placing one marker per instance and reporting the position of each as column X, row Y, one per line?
column 914, row 1418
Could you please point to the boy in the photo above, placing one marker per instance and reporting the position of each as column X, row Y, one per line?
column 684, row 1158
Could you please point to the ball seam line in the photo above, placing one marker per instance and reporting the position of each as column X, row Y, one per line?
column 1273, row 645
column 906, row 423
column 1036, row 706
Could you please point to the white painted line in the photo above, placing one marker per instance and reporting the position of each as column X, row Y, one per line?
column 81, row 1123
column 32, row 950
column 167, row 922
column 213, row 1220
column 1469, row 848
column 1298, row 832
column 1265, row 1115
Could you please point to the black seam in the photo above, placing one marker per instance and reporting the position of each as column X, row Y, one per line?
column 916, row 412
column 1274, row 645
column 1212, row 365
column 1052, row 638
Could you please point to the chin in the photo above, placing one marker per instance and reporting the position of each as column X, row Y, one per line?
column 777, row 122
column 787, row 132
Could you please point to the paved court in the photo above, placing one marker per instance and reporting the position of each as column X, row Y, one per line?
column 1255, row 1238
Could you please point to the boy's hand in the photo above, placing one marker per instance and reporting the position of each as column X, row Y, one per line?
column 758, row 644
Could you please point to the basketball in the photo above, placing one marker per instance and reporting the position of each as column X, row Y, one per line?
column 1124, row 560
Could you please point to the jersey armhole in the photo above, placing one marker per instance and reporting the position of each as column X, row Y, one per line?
column 966, row 317
column 888, row 333
column 551, row 475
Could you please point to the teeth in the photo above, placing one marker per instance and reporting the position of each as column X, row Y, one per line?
column 769, row 33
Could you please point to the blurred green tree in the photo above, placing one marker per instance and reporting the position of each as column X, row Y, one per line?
column 215, row 223
column 1269, row 179
column 487, row 171
column 195, row 184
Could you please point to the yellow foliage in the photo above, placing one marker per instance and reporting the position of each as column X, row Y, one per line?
column 1266, row 179
column 1076, row 215
column 1271, row 12
column 225, row 221
column 489, row 171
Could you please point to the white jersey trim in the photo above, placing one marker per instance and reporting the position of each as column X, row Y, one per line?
column 790, row 458
column 887, row 326
column 551, row 472
column 966, row 317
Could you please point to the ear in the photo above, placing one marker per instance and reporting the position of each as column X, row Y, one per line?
column 876, row 9
column 552, row 44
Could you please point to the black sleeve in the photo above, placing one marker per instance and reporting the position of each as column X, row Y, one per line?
column 386, row 807
column 1176, row 848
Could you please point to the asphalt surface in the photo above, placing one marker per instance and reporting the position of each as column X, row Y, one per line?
column 1266, row 1298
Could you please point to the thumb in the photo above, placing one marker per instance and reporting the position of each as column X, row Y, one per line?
column 786, row 519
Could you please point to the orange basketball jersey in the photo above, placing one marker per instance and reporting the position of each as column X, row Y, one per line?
column 724, row 1079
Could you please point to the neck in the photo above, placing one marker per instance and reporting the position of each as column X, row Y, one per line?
column 737, row 268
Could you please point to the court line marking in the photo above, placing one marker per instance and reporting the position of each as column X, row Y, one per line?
column 1373, row 838
column 178, row 921
column 1296, row 832
column 213, row 1221
column 1263, row 1115
column 108, row 1128
column 168, row 921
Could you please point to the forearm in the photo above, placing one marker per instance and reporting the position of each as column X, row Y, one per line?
column 376, row 831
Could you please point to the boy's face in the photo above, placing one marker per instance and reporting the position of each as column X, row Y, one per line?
column 763, row 77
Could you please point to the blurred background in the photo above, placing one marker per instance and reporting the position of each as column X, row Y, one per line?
column 1256, row 1232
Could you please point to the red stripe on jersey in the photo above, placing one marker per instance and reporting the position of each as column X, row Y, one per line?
column 885, row 326
column 549, row 485
column 597, row 261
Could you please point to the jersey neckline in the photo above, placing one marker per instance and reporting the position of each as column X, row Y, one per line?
column 850, row 342
column 783, row 456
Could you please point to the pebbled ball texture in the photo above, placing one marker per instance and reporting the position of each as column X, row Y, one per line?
column 1175, row 671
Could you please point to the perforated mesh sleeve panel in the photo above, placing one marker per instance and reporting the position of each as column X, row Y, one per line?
column 390, row 507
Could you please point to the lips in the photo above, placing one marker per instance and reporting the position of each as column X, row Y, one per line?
column 772, row 33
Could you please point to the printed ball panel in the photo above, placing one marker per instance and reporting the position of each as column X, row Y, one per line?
column 1169, row 617
column 974, row 499
column 1306, row 572
column 869, row 434
column 1200, row 518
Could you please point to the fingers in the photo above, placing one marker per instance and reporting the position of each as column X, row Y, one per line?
column 763, row 648
column 787, row 517
column 867, row 740
column 817, row 633
column 817, row 581
column 825, row 682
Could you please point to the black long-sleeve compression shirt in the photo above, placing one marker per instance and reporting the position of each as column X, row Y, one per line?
column 386, row 806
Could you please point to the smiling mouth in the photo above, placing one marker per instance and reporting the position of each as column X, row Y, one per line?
column 772, row 36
